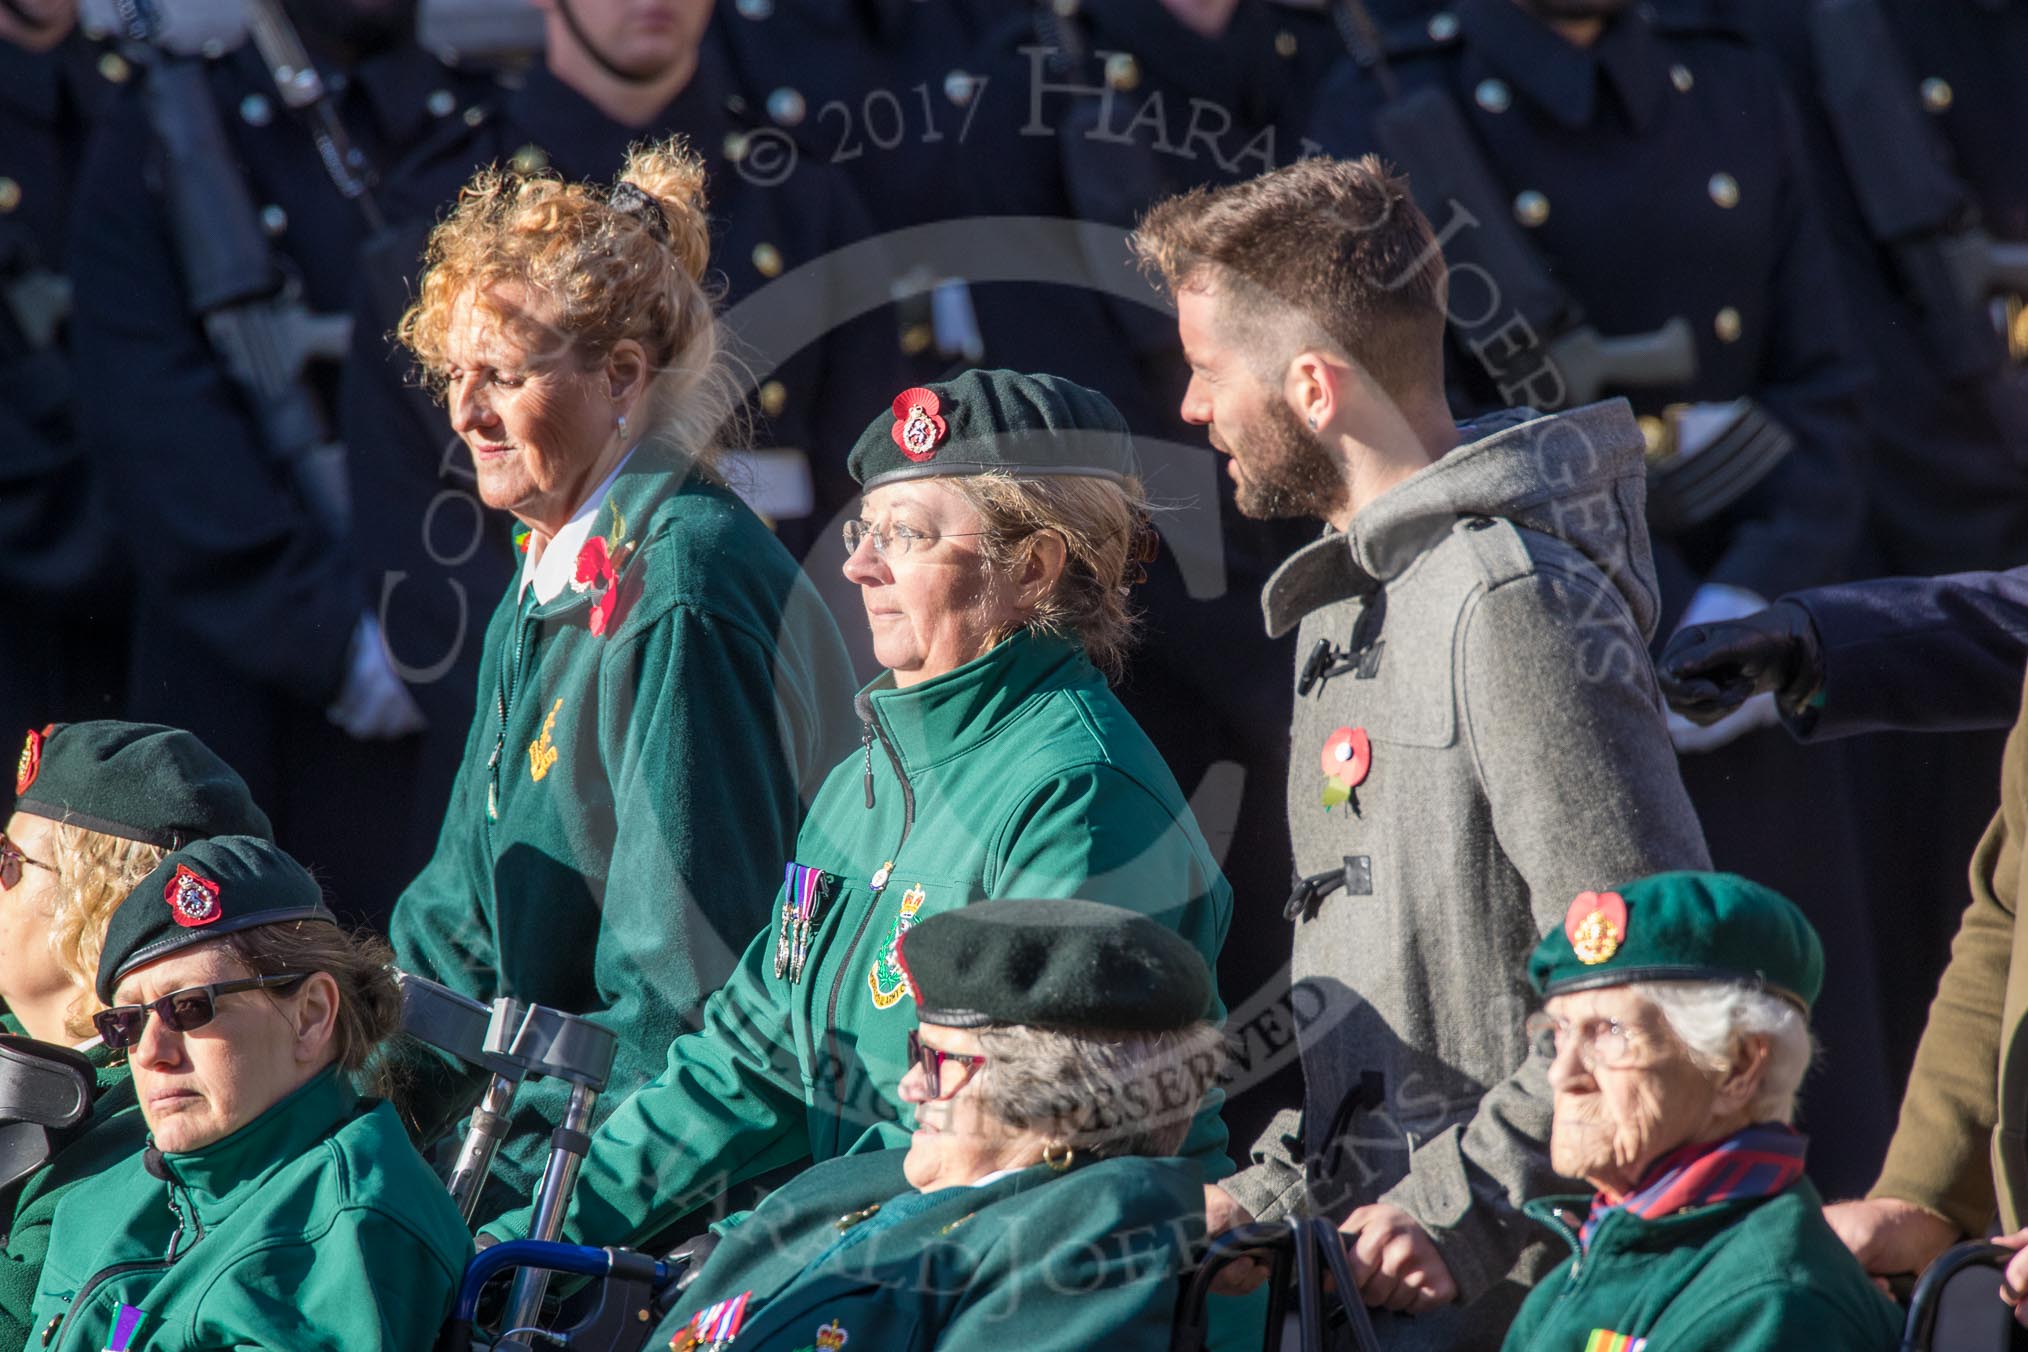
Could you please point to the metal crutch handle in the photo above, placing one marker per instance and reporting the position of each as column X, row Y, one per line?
column 571, row 1048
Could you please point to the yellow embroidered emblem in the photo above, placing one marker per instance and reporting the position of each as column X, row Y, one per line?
column 542, row 752
column 887, row 980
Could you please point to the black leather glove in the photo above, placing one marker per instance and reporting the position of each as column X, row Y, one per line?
column 1708, row 670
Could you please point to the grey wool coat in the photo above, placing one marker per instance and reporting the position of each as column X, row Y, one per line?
column 1483, row 740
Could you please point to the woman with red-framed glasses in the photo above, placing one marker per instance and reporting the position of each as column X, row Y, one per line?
column 97, row 805
column 1059, row 1053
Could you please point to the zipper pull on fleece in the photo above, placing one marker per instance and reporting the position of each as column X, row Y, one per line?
column 866, row 743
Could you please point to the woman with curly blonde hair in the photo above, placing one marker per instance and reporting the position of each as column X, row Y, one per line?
column 97, row 806
column 661, row 689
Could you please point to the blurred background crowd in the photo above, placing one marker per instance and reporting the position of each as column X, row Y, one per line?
column 228, row 504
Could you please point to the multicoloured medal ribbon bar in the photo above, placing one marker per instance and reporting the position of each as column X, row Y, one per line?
column 714, row 1328
column 805, row 891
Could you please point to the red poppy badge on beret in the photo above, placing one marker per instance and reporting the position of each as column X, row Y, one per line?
column 1596, row 926
column 192, row 898
column 1346, row 758
column 917, row 429
column 30, row 764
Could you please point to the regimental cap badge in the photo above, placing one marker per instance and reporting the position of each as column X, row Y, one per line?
column 1596, row 926
column 30, row 764
column 831, row 1337
column 917, row 429
column 193, row 898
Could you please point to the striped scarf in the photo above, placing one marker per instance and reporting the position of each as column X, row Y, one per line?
column 1757, row 1161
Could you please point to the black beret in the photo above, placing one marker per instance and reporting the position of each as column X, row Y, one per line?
column 1053, row 964
column 986, row 422
column 203, row 892
column 1683, row 926
column 138, row 781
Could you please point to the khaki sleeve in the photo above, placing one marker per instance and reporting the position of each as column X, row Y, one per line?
column 1940, row 1157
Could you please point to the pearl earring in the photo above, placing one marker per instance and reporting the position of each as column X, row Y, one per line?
column 1313, row 422
column 621, row 423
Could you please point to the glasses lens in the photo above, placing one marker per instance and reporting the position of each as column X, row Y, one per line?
column 185, row 1010
column 1540, row 1030
column 121, row 1025
column 924, row 1057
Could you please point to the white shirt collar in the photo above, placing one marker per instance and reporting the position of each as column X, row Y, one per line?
column 996, row 1176
column 553, row 571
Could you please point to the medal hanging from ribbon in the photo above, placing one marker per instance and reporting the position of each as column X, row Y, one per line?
column 805, row 891
column 714, row 1327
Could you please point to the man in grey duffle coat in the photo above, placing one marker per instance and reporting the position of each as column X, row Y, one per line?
column 1478, row 737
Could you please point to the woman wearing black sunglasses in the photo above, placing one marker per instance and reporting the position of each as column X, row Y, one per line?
column 96, row 807
column 273, row 1206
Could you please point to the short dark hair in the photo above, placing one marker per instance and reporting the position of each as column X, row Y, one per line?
column 1339, row 241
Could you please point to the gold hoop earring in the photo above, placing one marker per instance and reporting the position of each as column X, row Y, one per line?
column 1058, row 1156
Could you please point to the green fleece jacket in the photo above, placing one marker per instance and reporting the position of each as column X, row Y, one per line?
column 113, row 1132
column 634, row 777
column 1742, row 1276
column 315, row 1226
column 849, row 1254
column 1016, row 775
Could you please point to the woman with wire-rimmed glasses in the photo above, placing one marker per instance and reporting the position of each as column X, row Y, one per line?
column 1001, row 529
column 272, row 1206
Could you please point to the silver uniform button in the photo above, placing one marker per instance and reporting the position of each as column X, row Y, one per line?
column 1727, row 325
column 1937, row 94
column 786, row 106
column 441, row 103
column 256, row 111
column 959, row 86
column 1443, row 26
column 1724, row 190
column 1494, row 96
column 273, row 219
column 1531, row 208
column 1680, row 76
column 755, row 9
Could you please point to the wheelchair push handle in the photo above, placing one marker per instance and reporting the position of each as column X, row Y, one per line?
column 579, row 1260
column 1925, row 1301
column 1314, row 1249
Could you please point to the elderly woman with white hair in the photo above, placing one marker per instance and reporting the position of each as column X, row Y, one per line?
column 1679, row 1011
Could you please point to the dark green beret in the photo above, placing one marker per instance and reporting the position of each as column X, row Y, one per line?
column 1682, row 927
column 138, row 781
column 1052, row 964
column 208, row 890
column 986, row 422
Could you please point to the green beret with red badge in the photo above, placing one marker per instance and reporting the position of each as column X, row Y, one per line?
column 1056, row 963
column 995, row 422
column 205, row 891
column 138, row 781
column 1686, row 926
